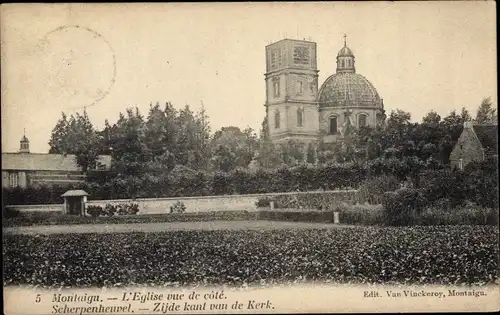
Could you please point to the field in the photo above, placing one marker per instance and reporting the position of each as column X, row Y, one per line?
column 245, row 257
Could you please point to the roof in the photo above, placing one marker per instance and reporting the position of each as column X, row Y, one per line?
column 24, row 139
column 488, row 135
column 345, row 52
column 75, row 193
column 348, row 89
column 45, row 162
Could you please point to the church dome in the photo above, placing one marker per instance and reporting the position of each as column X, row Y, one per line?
column 350, row 90
column 346, row 88
column 345, row 52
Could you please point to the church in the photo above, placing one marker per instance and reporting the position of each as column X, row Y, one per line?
column 297, row 108
column 26, row 169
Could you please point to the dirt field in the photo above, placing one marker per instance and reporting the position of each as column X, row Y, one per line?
column 170, row 226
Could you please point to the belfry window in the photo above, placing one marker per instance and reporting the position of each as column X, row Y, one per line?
column 333, row 125
column 300, row 117
column 277, row 119
column 362, row 120
column 460, row 164
column 276, row 87
column 299, row 88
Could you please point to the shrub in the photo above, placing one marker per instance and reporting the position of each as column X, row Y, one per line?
column 360, row 214
column 178, row 207
column 372, row 190
column 109, row 210
column 297, row 216
column 9, row 213
column 127, row 209
column 401, row 207
column 466, row 215
column 95, row 211
column 318, row 201
column 263, row 202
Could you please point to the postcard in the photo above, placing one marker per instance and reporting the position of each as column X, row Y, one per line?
column 237, row 158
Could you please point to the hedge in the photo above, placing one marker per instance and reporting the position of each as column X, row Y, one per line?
column 477, row 183
column 55, row 218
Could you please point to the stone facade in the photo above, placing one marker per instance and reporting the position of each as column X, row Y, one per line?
column 298, row 110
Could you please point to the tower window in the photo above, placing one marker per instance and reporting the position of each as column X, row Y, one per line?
column 299, row 88
column 300, row 117
column 276, row 87
column 362, row 121
column 460, row 164
column 277, row 119
column 333, row 125
column 343, row 63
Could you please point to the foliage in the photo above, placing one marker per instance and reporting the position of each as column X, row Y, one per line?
column 76, row 135
column 57, row 218
column 359, row 255
column 178, row 207
column 263, row 202
column 402, row 206
column 110, row 210
column 486, row 112
column 372, row 190
column 464, row 215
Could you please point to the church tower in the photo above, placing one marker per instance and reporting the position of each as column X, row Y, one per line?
column 291, row 91
column 24, row 145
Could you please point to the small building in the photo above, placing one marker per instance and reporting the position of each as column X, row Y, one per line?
column 475, row 144
column 74, row 202
column 24, row 169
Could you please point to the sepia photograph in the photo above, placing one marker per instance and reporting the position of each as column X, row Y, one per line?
column 267, row 157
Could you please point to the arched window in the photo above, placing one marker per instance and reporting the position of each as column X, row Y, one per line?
column 276, row 86
column 300, row 117
column 277, row 119
column 333, row 125
column 343, row 63
column 362, row 120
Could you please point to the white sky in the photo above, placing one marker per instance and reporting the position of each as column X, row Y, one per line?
column 419, row 56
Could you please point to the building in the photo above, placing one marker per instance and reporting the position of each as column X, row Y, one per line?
column 23, row 169
column 476, row 143
column 298, row 110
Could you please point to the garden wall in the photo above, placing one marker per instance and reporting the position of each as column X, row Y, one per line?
column 194, row 204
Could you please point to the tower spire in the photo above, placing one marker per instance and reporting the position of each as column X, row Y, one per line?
column 345, row 40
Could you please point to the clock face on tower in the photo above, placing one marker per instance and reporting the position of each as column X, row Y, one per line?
column 301, row 55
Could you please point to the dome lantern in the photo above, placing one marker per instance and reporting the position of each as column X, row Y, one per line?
column 345, row 59
column 24, row 144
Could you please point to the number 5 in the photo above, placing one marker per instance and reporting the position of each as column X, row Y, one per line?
column 38, row 298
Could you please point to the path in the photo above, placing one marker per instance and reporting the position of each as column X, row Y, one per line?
column 165, row 227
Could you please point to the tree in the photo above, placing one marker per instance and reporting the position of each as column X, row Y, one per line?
column 239, row 147
column 77, row 136
column 193, row 143
column 127, row 140
column 264, row 132
column 311, row 154
column 486, row 112
column 431, row 118
column 58, row 141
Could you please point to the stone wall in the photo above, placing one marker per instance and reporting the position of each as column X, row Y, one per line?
column 193, row 204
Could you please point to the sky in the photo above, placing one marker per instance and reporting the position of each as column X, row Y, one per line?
column 420, row 56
